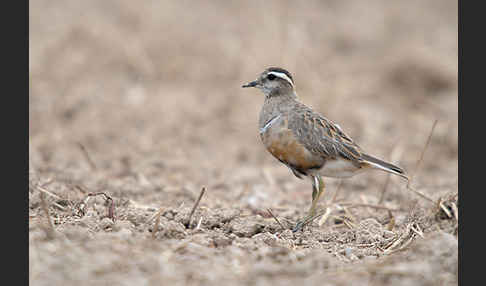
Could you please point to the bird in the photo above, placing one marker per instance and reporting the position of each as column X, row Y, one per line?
column 308, row 143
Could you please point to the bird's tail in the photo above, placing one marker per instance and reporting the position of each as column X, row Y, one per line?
column 382, row 165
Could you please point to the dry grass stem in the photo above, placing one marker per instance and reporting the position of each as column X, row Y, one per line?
column 395, row 154
column 417, row 230
column 349, row 224
column 395, row 242
column 50, row 232
column 391, row 223
column 446, row 211
column 43, row 190
column 394, row 245
column 420, row 194
column 349, row 214
column 48, row 182
column 81, row 189
column 87, row 156
column 199, row 223
column 401, row 248
column 156, row 223
column 337, row 191
column 383, row 191
column 412, row 230
column 325, row 217
column 203, row 190
column 355, row 205
column 58, row 206
column 276, row 219
column 455, row 211
column 419, row 161
column 159, row 211
column 345, row 220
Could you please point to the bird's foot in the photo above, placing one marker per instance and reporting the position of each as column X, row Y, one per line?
column 303, row 222
column 298, row 226
column 306, row 220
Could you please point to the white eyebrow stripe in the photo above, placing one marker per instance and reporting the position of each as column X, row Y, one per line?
column 282, row 75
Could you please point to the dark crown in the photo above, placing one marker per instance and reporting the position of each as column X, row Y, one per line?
column 281, row 70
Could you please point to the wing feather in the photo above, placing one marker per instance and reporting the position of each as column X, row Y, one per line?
column 321, row 136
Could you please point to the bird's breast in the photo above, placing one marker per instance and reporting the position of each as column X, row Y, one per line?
column 281, row 142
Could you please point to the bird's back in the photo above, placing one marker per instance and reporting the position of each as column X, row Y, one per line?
column 321, row 136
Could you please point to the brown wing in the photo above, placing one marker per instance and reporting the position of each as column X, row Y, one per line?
column 321, row 136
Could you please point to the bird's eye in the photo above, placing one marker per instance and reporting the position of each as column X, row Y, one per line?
column 271, row 77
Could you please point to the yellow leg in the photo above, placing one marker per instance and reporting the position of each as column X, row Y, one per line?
column 315, row 197
column 318, row 189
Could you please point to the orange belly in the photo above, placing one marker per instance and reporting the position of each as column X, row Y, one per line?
column 282, row 144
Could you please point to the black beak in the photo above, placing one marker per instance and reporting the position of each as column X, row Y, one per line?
column 251, row 84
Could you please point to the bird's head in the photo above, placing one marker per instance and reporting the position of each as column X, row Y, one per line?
column 274, row 81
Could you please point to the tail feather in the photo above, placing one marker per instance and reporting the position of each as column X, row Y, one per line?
column 382, row 165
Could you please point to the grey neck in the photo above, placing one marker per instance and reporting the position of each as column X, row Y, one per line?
column 276, row 104
column 279, row 93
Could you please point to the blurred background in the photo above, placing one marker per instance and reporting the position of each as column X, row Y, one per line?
column 155, row 89
column 152, row 92
column 161, row 82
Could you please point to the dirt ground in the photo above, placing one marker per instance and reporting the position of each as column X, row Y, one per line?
column 134, row 107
